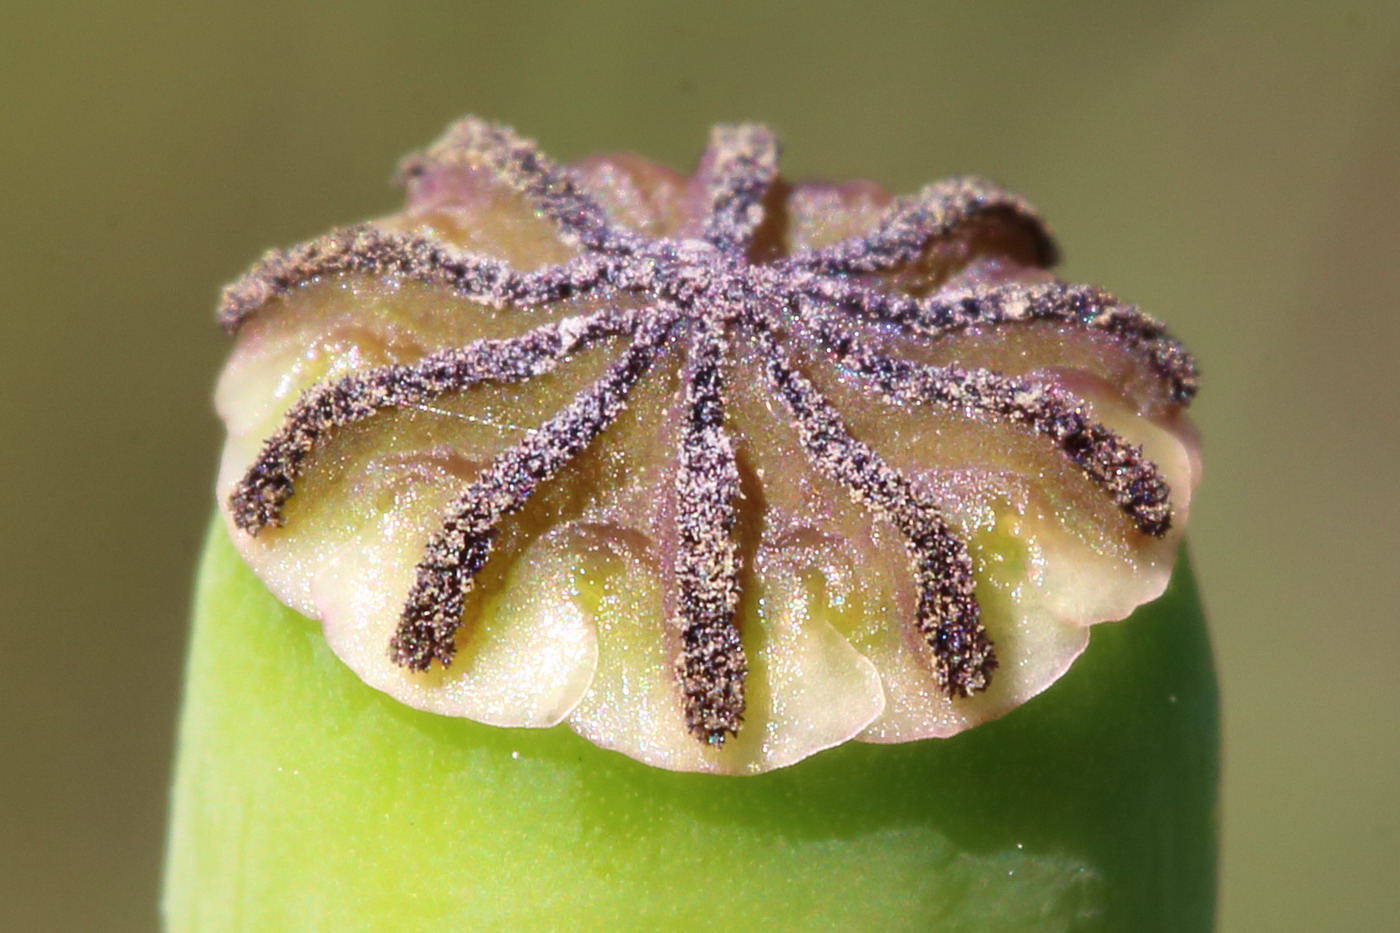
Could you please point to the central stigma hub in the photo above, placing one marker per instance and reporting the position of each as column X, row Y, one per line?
column 695, row 275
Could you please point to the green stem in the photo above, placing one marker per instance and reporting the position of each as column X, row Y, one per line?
column 305, row 800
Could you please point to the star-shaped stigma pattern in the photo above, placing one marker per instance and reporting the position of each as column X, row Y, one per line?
column 692, row 296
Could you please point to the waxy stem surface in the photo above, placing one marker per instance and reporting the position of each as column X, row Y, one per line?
column 306, row 800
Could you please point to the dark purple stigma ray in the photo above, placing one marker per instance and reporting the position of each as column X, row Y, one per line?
column 460, row 547
column 736, row 171
column 519, row 164
column 712, row 665
column 937, row 211
column 947, row 312
column 1118, row 468
column 258, row 500
column 740, row 166
column 947, row 616
column 367, row 250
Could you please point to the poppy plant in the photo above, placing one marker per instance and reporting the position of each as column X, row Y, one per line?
column 796, row 486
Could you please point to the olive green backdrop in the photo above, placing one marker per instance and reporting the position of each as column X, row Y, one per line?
column 1230, row 166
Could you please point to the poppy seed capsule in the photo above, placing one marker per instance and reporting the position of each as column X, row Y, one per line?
column 717, row 472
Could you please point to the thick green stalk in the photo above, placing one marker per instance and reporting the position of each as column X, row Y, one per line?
column 305, row 800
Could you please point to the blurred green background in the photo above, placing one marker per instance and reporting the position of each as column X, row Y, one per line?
column 1230, row 166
